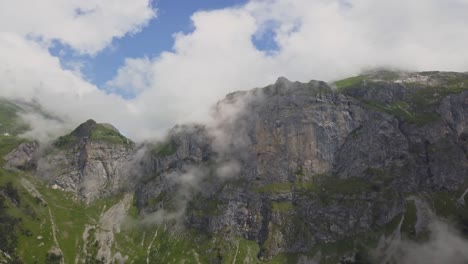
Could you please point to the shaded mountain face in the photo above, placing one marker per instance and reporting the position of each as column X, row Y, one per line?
column 318, row 164
column 293, row 172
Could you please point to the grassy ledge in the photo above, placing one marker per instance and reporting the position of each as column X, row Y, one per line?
column 348, row 82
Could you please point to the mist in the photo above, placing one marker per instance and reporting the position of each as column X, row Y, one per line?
column 229, row 141
column 445, row 244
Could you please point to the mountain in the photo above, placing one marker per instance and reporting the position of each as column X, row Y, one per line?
column 357, row 171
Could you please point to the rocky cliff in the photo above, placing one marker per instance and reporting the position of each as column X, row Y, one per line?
column 323, row 163
column 92, row 161
column 290, row 173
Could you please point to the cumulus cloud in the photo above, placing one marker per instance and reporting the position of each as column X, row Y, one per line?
column 324, row 40
column 86, row 26
column 318, row 39
column 28, row 72
column 134, row 77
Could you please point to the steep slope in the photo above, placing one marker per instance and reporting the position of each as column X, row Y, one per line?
column 51, row 226
column 10, row 126
column 9, row 121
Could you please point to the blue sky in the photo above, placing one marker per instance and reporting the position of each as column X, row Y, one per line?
column 172, row 16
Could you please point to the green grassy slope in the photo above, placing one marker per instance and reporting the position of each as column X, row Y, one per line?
column 423, row 97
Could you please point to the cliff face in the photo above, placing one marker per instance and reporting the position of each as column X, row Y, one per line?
column 292, row 167
column 92, row 161
column 321, row 164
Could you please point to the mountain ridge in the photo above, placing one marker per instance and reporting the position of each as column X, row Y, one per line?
column 296, row 172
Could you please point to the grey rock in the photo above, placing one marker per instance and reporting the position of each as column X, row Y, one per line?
column 319, row 165
column 23, row 156
column 90, row 169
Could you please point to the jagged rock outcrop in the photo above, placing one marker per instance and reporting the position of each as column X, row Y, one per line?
column 23, row 156
column 92, row 161
column 186, row 146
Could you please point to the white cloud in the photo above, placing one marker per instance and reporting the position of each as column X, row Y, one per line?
column 216, row 58
column 28, row 72
column 87, row 26
column 134, row 77
column 318, row 39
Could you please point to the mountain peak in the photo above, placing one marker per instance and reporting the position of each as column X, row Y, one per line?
column 282, row 79
column 93, row 131
column 85, row 129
